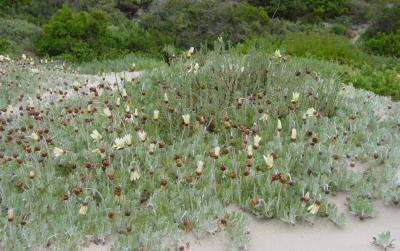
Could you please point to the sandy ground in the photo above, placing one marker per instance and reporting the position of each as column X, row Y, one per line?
column 276, row 235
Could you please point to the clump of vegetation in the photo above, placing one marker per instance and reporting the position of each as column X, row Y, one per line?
column 77, row 36
column 383, row 36
column 308, row 10
column 192, row 23
column 17, row 36
column 384, row 240
column 381, row 81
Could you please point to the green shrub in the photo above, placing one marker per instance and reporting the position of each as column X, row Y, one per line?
column 384, row 44
column 17, row 36
column 5, row 45
column 308, row 10
column 386, row 20
column 340, row 30
column 382, row 37
column 383, row 82
column 77, row 36
column 190, row 23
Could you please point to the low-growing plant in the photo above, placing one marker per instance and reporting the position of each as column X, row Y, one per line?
column 384, row 240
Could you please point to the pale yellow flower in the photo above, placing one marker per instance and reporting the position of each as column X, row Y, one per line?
column 199, row 167
column 124, row 94
column 217, row 150
column 269, row 160
column 107, row 112
column 295, row 97
column 119, row 143
column 89, row 108
column 96, row 135
column 249, row 150
column 190, row 52
column 83, row 209
column 279, row 125
column 118, row 103
column 128, row 139
column 76, row 84
column 277, row 54
column 313, row 209
column 10, row 109
column 293, row 135
column 306, row 197
column 156, row 114
column 165, row 98
column 34, row 136
column 58, row 152
column 152, row 148
column 186, row 119
column 264, row 117
column 142, row 136
column 134, row 175
column 97, row 150
column 309, row 113
column 256, row 141
column 133, row 67
column 10, row 215
column 30, row 104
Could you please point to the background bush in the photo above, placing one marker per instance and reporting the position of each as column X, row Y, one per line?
column 190, row 23
column 77, row 36
column 17, row 36
column 383, row 35
column 383, row 82
column 307, row 10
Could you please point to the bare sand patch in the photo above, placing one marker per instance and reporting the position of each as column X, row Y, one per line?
column 276, row 235
column 101, row 245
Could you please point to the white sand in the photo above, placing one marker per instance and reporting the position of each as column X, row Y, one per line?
column 323, row 235
column 276, row 235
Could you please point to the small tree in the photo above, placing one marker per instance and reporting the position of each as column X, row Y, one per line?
column 76, row 36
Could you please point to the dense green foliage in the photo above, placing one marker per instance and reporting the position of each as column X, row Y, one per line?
column 17, row 35
column 79, row 36
column 383, row 36
column 189, row 23
column 309, row 10
column 385, row 44
column 306, row 44
column 83, row 36
column 383, row 82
